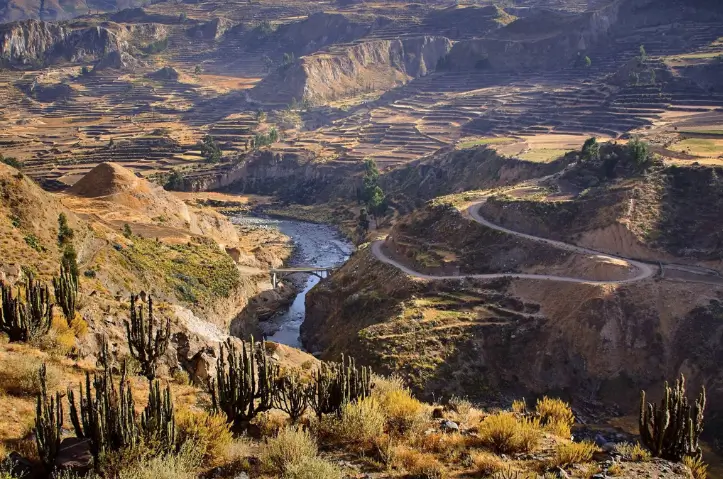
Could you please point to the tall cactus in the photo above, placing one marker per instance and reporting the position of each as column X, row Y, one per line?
column 66, row 291
column 245, row 382
column 157, row 420
column 27, row 315
column 291, row 395
column 107, row 415
column 48, row 423
column 145, row 345
column 336, row 384
column 671, row 430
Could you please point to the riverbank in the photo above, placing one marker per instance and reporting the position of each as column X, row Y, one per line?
column 314, row 244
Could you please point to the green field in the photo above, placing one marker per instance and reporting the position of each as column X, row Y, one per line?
column 472, row 142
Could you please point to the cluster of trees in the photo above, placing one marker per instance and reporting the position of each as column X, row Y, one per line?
column 10, row 161
column 264, row 139
column 210, row 149
column 372, row 196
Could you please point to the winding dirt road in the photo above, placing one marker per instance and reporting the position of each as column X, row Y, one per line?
column 644, row 270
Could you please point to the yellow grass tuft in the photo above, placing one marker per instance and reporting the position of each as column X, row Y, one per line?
column 570, row 453
column 210, row 433
column 519, row 406
column 291, row 446
column 402, row 411
column 361, row 423
column 488, row 464
column 552, row 409
column 419, row 464
column 697, row 467
column 313, row 468
column 633, row 452
column 504, row 433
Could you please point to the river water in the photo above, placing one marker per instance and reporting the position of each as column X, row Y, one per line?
column 317, row 245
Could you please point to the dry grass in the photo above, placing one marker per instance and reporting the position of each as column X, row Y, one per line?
column 570, row 453
column 291, row 446
column 449, row 446
column 172, row 466
column 271, row 422
column 614, row 470
column 519, row 406
column 23, row 378
column 488, row 464
column 419, row 464
column 210, row 433
column 698, row 468
column 633, row 452
column 552, row 409
column 403, row 412
column 361, row 424
column 504, row 433
column 312, row 468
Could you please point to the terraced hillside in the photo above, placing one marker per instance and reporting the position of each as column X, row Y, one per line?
column 240, row 71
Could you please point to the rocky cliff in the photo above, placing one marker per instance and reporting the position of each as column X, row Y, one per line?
column 350, row 70
column 34, row 42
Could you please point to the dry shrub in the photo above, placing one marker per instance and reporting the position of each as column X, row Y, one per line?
column 59, row 340
column 504, row 433
column 171, row 466
column 291, row 446
column 23, row 378
column 488, row 464
column 552, row 409
column 384, row 448
column 449, row 445
column 698, row 469
column 558, row 428
column 79, row 326
column 181, row 377
column 614, row 470
column 270, row 423
column 589, row 470
column 510, row 473
column 361, row 423
column 519, row 406
column 384, row 385
column 419, row 465
column 312, row 468
column 570, row 453
column 402, row 411
column 210, row 433
column 633, row 452
column 460, row 405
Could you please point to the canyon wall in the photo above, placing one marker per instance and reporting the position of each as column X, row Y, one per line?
column 354, row 69
column 34, row 42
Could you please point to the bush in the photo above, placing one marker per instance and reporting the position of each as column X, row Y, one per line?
column 571, row 453
column 519, row 406
column 170, row 466
column 460, row 405
column 488, row 464
column 361, row 423
column 552, row 409
column 210, row 433
column 291, row 446
column 402, row 411
column 505, row 434
column 449, row 445
column 633, row 452
column 312, row 468
column 181, row 377
column 639, row 151
column 697, row 467
column 23, row 378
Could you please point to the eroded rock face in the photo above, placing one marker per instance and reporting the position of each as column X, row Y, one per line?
column 368, row 66
column 34, row 42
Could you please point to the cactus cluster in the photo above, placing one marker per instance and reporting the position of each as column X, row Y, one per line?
column 245, row 382
column 66, row 291
column 671, row 430
column 147, row 342
column 107, row 414
column 157, row 420
column 336, row 384
column 291, row 395
column 27, row 315
column 48, row 422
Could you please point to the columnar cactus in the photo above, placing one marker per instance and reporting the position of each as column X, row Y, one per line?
column 48, row 423
column 146, row 345
column 245, row 382
column 28, row 314
column 336, row 384
column 107, row 415
column 66, row 291
column 671, row 430
column 157, row 420
column 291, row 395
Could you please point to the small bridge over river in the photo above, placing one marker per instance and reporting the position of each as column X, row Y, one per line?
column 278, row 273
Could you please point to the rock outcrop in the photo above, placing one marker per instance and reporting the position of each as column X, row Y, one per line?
column 369, row 66
column 211, row 30
column 34, row 42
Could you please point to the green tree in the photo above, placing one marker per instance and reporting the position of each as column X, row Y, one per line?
column 210, row 149
column 174, row 181
column 197, row 70
column 643, row 54
column 639, row 151
column 65, row 233
column 377, row 204
column 591, row 149
column 127, row 232
column 587, row 62
column 70, row 260
column 370, row 180
column 363, row 225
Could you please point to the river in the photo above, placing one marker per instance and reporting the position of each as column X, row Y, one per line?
column 317, row 245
